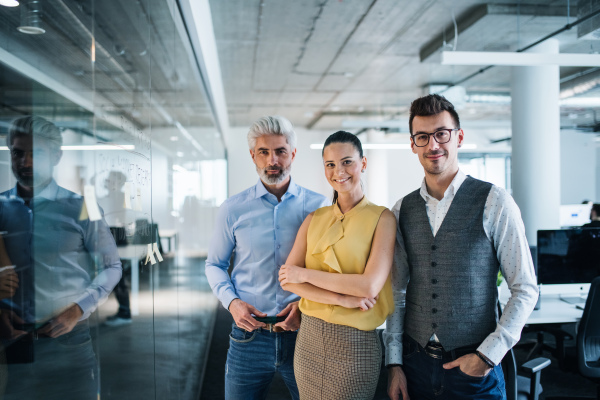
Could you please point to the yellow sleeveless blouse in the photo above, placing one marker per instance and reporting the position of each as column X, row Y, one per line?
column 341, row 243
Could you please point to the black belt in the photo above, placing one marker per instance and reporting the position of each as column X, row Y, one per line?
column 436, row 350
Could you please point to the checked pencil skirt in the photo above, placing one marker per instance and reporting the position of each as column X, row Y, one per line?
column 336, row 362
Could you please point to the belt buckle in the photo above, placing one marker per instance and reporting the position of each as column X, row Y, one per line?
column 434, row 350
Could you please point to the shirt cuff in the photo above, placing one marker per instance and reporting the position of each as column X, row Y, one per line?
column 493, row 349
column 87, row 304
column 393, row 354
column 227, row 297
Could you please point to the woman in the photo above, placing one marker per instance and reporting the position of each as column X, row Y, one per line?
column 340, row 266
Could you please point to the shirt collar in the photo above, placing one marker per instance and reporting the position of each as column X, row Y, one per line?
column 50, row 192
column 458, row 180
column 361, row 204
column 261, row 190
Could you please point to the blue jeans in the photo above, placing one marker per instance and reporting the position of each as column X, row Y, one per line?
column 64, row 368
column 252, row 360
column 426, row 379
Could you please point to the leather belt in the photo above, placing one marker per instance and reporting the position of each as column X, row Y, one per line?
column 273, row 328
column 436, row 350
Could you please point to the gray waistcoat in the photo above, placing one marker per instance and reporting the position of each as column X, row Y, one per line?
column 452, row 288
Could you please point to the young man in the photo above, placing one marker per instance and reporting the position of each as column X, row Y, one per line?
column 260, row 226
column 444, row 338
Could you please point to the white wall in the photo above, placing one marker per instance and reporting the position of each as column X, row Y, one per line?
column 307, row 169
column 579, row 167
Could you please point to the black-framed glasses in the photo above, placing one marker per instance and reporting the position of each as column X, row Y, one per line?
column 441, row 136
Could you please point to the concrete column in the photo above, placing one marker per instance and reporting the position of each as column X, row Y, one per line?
column 536, row 143
column 376, row 180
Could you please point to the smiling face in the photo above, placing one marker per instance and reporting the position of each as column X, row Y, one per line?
column 273, row 158
column 437, row 159
column 343, row 166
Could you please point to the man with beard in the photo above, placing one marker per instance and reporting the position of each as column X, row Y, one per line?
column 259, row 226
column 65, row 265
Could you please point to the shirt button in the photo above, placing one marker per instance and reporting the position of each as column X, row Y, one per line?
column 433, row 247
column 434, row 281
column 278, row 246
column 433, row 263
column 434, row 296
column 434, row 325
column 434, row 310
column 277, row 226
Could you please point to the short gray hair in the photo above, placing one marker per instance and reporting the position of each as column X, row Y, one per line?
column 37, row 127
column 272, row 125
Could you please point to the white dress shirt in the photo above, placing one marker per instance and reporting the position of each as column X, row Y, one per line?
column 503, row 226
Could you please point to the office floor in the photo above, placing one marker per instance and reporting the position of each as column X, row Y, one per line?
column 161, row 354
column 554, row 381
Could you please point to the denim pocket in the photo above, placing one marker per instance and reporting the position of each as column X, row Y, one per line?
column 410, row 349
column 241, row 336
column 74, row 339
column 470, row 377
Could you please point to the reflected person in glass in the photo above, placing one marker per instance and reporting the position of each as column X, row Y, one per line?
column 65, row 265
column 260, row 225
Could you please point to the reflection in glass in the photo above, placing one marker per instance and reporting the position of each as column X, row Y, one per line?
column 66, row 265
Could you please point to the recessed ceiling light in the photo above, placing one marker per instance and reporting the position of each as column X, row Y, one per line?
column 9, row 3
column 174, row 138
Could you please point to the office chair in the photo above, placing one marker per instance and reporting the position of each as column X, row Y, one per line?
column 526, row 386
column 522, row 387
column 588, row 340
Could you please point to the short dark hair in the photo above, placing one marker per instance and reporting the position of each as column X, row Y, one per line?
column 432, row 104
column 343, row 137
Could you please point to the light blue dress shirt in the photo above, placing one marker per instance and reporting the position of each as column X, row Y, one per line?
column 59, row 258
column 260, row 231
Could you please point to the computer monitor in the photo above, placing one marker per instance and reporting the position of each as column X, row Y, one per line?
column 572, row 215
column 568, row 257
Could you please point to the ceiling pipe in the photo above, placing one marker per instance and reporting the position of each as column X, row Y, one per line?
column 549, row 36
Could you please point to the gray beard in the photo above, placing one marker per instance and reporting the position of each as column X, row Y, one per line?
column 273, row 179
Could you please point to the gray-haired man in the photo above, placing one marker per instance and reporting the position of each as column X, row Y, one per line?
column 260, row 225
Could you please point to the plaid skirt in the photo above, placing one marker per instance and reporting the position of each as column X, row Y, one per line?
column 336, row 362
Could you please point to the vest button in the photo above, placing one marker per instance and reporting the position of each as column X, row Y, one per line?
column 434, row 281
column 434, row 310
column 434, row 325
column 434, row 296
column 433, row 247
column 433, row 263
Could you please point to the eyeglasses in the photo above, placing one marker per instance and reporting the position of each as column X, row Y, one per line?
column 441, row 136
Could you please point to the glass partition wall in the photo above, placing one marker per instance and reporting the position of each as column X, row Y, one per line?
column 110, row 176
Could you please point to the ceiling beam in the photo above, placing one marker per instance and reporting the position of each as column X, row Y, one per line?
column 476, row 13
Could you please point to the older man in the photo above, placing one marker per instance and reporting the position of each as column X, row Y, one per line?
column 260, row 226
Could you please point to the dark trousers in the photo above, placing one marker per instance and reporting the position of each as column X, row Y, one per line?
column 427, row 379
column 122, row 291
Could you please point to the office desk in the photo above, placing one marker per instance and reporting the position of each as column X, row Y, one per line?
column 168, row 234
column 553, row 310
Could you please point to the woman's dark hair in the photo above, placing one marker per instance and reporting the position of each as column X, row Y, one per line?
column 343, row 137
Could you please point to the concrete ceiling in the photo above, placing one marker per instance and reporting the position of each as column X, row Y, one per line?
column 322, row 62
